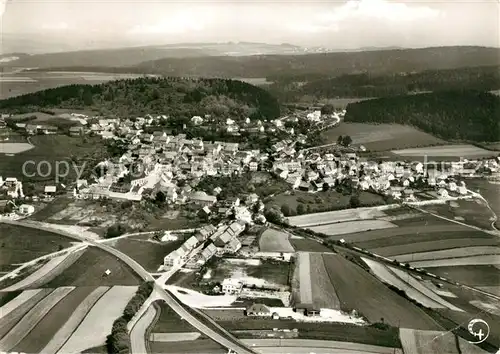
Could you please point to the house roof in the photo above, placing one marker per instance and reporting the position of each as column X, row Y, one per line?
column 258, row 308
column 50, row 189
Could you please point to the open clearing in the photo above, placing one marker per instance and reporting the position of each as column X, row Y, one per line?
column 30, row 320
column 357, row 289
column 14, row 148
column 462, row 261
column 47, row 272
column 23, row 244
column 449, row 253
column 381, row 137
column 331, row 217
column 97, row 324
column 57, row 340
column 273, row 240
column 465, row 151
column 427, row 342
column 89, row 270
column 352, row 226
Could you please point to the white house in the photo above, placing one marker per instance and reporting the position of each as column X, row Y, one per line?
column 26, row 209
column 231, row 286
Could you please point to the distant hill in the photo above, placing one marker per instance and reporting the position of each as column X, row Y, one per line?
column 328, row 64
column 178, row 97
column 455, row 115
column 119, row 57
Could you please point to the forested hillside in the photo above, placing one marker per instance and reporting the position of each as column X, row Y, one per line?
column 171, row 96
column 461, row 115
column 370, row 85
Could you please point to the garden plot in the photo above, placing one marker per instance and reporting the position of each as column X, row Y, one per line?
column 97, row 324
column 339, row 216
column 352, row 227
column 462, row 261
column 273, row 240
column 77, row 316
column 30, row 320
column 48, row 271
column 427, row 342
column 449, row 253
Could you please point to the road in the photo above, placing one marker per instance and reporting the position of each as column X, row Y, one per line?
column 227, row 340
column 137, row 334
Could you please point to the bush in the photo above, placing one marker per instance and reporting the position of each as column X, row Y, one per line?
column 115, row 231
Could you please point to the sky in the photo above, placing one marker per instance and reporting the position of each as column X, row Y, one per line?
column 79, row 24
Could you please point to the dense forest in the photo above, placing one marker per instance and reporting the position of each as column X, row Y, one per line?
column 178, row 97
column 456, row 115
column 368, row 85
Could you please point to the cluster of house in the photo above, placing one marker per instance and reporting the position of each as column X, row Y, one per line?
column 12, row 187
column 314, row 172
column 208, row 242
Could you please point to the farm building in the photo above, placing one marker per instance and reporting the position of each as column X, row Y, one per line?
column 258, row 310
column 26, row 209
column 307, row 309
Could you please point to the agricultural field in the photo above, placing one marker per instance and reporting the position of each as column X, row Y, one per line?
column 261, row 273
column 435, row 342
column 67, row 318
column 359, row 290
column 308, row 245
column 489, row 191
column 351, row 227
column 53, row 148
column 470, row 211
column 89, row 270
column 47, row 271
column 381, row 137
column 22, row 244
column 412, row 287
column 448, row 253
column 318, row 202
column 14, row 148
column 478, row 276
column 333, row 217
column 461, row 261
column 464, row 151
column 274, row 240
column 147, row 252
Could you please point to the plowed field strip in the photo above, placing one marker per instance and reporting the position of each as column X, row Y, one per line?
column 30, row 320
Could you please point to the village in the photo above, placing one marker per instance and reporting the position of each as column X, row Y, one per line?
column 170, row 167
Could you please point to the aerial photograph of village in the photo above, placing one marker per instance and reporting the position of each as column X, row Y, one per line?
column 250, row 177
